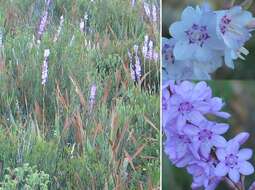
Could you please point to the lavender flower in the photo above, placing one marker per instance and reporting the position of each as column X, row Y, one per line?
column 204, row 38
column 145, row 45
column 92, row 97
column 150, row 12
column 45, row 66
column 196, row 36
column 59, row 29
column 234, row 161
column 148, row 49
column 232, row 27
column 203, row 174
column 135, row 66
column 194, row 142
column 43, row 22
column 205, row 135
column 191, row 102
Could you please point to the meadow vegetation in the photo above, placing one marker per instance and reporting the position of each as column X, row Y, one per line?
column 61, row 135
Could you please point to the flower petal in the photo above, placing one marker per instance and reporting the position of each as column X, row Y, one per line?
column 220, row 128
column 221, row 170
column 218, row 141
column 221, row 154
column 183, row 50
column 246, row 168
column 177, row 30
column 234, row 175
column 245, row 154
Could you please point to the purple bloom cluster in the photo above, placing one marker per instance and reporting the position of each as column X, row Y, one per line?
column 151, row 12
column 92, row 98
column 148, row 50
column 135, row 64
column 205, row 39
column 195, row 142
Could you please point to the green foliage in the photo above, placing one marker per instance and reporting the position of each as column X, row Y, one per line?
column 25, row 177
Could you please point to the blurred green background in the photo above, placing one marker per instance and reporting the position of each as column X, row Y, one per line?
column 171, row 11
column 239, row 99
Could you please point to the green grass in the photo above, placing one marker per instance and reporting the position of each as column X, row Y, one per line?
column 51, row 128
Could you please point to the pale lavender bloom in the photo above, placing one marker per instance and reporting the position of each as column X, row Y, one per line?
column 203, row 174
column 178, row 147
column 184, row 69
column 145, row 45
column 190, row 103
column 196, row 36
column 92, row 97
column 42, row 25
column 150, row 11
column 150, row 50
column 241, row 138
column 59, row 29
column 147, row 10
column 135, row 66
column 232, row 28
column 205, row 135
column 45, row 66
column 233, row 161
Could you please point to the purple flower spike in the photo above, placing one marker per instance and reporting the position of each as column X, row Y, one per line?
column 233, row 161
column 92, row 97
column 42, row 25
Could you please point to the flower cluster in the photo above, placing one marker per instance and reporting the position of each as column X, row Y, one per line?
column 195, row 142
column 148, row 50
column 135, row 64
column 203, row 40
column 43, row 22
column 45, row 66
column 92, row 98
column 150, row 12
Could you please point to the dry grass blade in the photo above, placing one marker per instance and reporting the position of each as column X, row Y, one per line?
column 79, row 132
column 67, row 125
column 78, row 91
column 60, row 97
column 38, row 112
column 98, row 130
column 150, row 123
column 129, row 159
column 106, row 91
column 122, row 135
column 143, row 78
column 138, row 151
